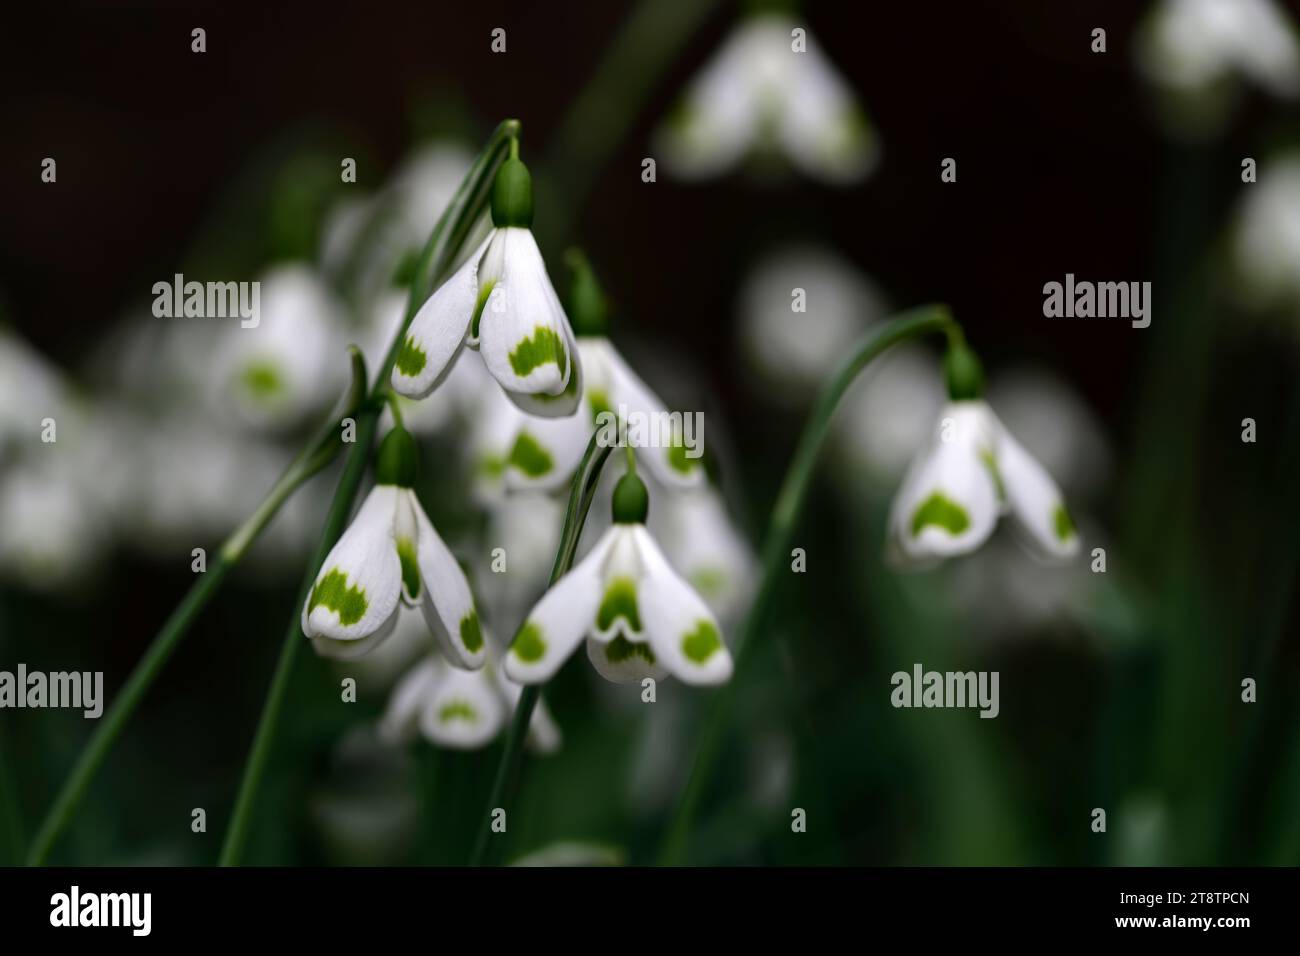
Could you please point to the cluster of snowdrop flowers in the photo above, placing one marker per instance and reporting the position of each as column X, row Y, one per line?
column 639, row 617
column 971, row 472
column 1194, row 50
column 388, row 556
column 500, row 302
column 770, row 89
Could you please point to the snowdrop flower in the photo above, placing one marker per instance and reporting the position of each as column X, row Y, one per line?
column 971, row 472
column 287, row 365
column 51, row 538
column 770, row 88
column 702, row 543
column 518, row 452
column 391, row 554
column 639, row 617
column 800, row 308
column 500, row 302
column 460, row 709
column 1192, row 45
column 31, row 389
column 1266, row 241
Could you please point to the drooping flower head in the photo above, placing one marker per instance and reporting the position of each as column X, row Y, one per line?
column 500, row 302
column 639, row 617
column 972, row 472
column 391, row 554
column 770, row 88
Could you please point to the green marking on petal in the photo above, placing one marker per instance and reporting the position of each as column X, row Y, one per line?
column 599, row 403
column 263, row 379
column 457, row 710
column 700, row 644
column 410, row 358
column 545, row 346
column 619, row 601
column 530, row 457
column 995, row 473
column 529, row 645
column 333, row 592
column 620, row 649
column 678, row 461
column 942, row 512
column 709, row 581
column 1063, row 524
column 471, row 634
column 493, row 466
column 410, row 569
column 484, row 294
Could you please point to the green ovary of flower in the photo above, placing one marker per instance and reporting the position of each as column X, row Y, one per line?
column 620, row 649
column 530, row 457
column 410, row 358
column 619, row 601
column 700, row 644
column 332, row 591
column 410, row 569
column 942, row 512
column 1062, row 523
column 529, row 645
column 457, row 710
column 545, row 346
column 471, row 633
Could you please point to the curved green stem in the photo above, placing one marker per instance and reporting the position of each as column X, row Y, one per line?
column 311, row 460
column 909, row 325
column 584, row 488
column 445, row 242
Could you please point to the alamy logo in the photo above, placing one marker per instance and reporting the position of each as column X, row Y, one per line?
column 1100, row 300
column 75, row 908
column 208, row 300
column 641, row 429
column 923, row 688
column 82, row 690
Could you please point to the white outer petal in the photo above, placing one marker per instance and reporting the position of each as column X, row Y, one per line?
column 522, row 302
column 446, row 599
column 955, row 470
column 367, row 555
column 564, row 615
column 1034, row 499
column 670, row 611
column 439, row 330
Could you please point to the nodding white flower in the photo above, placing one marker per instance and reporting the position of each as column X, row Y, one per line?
column 391, row 554
column 1266, row 242
column 702, row 543
column 638, row 615
column 31, row 389
column 800, row 308
column 1189, row 46
column 286, row 365
column 460, row 709
column 500, row 302
column 972, row 472
column 770, row 88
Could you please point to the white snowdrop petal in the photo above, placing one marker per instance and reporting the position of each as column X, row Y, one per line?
column 545, row 452
column 407, row 701
column 1037, row 507
column 462, row 710
column 447, row 602
column 436, row 335
column 624, row 661
column 681, row 630
column 357, row 588
column 522, row 328
column 948, row 503
column 353, row 650
column 560, row 620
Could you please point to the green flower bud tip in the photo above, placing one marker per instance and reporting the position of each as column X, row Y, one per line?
column 587, row 307
column 512, row 195
column 398, row 460
column 631, row 500
column 963, row 371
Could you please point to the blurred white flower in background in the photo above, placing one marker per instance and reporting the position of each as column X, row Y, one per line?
column 526, row 528
column 31, row 389
column 770, row 89
column 1196, row 51
column 793, row 351
column 50, row 537
column 1266, row 238
column 292, row 363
